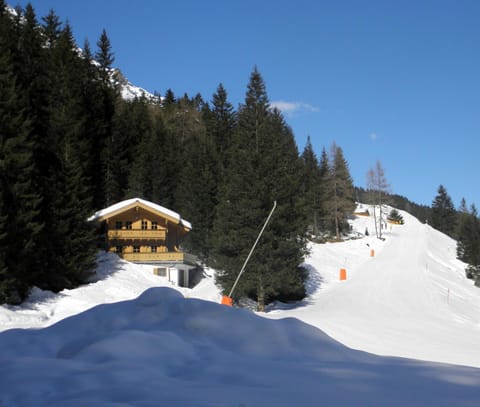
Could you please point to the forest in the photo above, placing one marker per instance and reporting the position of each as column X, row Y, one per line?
column 71, row 145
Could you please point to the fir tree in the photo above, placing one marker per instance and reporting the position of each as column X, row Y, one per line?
column 109, row 93
column 105, row 57
column 264, row 167
column 223, row 122
column 443, row 212
column 133, row 155
column 311, row 187
column 468, row 244
column 339, row 202
column 70, row 237
column 51, row 28
column 20, row 224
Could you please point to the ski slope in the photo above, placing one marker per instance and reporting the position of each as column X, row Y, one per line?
column 410, row 300
column 118, row 341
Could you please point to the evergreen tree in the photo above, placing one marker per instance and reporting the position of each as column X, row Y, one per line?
column 468, row 244
column 104, row 144
column 223, row 123
column 394, row 216
column 311, row 187
column 20, row 224
column 196, row 192
column 105, row 57
column 71, row 238
column 9, row 278
column 51, row 28
column 340, row 201
column 324, row 173
column 264, row 167
column 133, row 156
column 443, row 212
column 94, row 129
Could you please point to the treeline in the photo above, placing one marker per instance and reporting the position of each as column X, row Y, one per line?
column 462, row 224
column 422, row 212
column 70, row 145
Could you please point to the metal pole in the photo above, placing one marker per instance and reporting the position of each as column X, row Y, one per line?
column 252, row 249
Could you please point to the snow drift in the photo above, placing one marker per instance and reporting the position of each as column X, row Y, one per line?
column 152, row 346
column 162, row 349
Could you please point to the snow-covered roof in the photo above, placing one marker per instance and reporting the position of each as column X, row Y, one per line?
column 118, row 207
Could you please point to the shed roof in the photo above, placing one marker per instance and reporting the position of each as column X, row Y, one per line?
column 130, row 203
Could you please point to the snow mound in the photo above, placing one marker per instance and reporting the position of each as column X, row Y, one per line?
column 163, row 349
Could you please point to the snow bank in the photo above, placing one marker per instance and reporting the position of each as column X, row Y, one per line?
column 162, row 349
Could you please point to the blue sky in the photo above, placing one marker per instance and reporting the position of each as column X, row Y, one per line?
column 395, row 81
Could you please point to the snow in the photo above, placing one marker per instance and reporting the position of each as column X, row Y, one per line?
column 131, row 338
column 410, row 300
column 124, row 204
column 130, row 92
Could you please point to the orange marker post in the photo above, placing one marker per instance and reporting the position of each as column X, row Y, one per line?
column 343, row 274
column 228, row 301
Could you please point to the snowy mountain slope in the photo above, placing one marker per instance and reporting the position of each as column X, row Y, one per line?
column 411, row 300
column 162, row 349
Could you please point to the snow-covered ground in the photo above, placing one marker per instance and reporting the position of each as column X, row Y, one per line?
column 118, row 341
column 410, row 300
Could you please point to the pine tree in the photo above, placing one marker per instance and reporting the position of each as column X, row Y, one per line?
column 443, row 212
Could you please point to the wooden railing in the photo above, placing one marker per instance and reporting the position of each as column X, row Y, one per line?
column 116, row 234
column 166, row 257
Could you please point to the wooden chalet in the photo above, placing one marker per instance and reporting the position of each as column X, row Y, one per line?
column 140, row 231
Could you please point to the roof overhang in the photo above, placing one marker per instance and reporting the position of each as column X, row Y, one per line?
column 133, row 203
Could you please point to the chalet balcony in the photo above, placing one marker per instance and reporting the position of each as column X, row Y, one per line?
column 167, row 257
column 129, row 234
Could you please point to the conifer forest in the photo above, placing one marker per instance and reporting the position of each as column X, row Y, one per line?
column 71, row 145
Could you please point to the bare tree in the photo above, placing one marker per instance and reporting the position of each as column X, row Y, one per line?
column 377, row 187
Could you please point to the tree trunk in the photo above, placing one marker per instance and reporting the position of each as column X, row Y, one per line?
column 375, row 220
column 337, row 228
column 260, row 298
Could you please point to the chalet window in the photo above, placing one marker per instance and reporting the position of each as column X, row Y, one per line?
column 118, row 249
column 118, row 224
column 144, row 225
column 128, row 224
column 154, row 225
column 136, row 249
column 153, row 248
